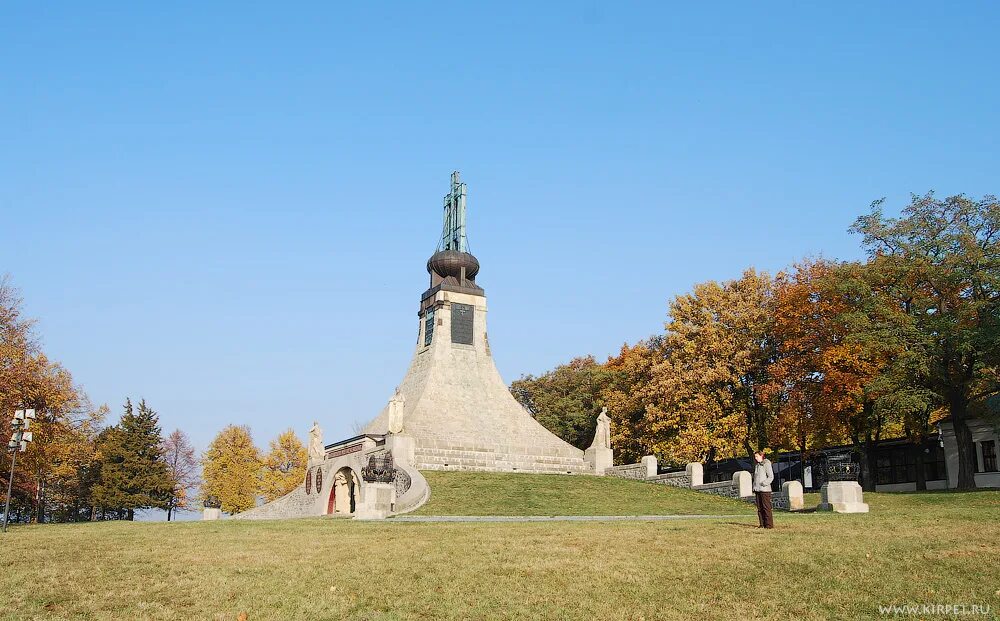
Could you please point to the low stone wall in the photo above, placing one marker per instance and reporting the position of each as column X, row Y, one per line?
column 722, row 488
column 642, row 471
column 673, row 479
column 292, row 505
column 627, row 471
column 740, row 487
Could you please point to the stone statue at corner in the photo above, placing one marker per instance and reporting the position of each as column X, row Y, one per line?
column 599, row 456
column 315, row 443
column 602, row 436
column 396, row 412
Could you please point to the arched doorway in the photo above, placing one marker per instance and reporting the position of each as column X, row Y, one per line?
column 344, row 493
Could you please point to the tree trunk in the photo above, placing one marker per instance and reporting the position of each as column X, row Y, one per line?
column 39, row 500
column 170, row 510
column 959, row 406
column 130, row 515
column 917, row 450
column 868, row 479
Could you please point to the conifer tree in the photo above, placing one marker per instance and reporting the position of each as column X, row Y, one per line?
column 133, row 474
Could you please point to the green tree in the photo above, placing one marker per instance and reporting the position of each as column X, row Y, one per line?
column 133, row 474
column 284, row 466
column 942, row 258
column 231, row 469
column 565, row 400
column 848, row 364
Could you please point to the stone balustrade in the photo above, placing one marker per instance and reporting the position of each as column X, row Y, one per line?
column 692, row 477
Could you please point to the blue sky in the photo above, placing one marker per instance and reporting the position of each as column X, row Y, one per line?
column 227, row 209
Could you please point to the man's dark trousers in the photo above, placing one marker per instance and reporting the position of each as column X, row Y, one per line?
column 764, row 511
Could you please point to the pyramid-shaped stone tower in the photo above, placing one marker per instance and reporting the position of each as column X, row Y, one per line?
column 453, row 402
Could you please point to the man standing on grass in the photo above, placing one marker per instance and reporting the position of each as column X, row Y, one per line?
column 763, row 474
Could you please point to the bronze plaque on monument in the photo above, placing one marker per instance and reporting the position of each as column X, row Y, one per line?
column 461, row 323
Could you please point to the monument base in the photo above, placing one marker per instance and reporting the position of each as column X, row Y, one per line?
column 212, row 513
column 599, row 459
column 378, row 501
column 842, row 497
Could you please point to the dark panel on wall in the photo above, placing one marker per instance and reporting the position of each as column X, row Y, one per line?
column 461, row 323
column 428, row 327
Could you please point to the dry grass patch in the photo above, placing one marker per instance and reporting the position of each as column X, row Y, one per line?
column 914, row 548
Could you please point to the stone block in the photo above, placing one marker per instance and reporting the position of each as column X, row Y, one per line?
column 376, row 502
column 598, row 459
column 742, row 484
column 793, row 491
column 649, row 465
column 842, row 497
column 695, row 473
column 401, row 446
column 212, row 513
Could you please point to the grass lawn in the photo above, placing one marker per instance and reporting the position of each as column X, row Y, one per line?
column 563, row 494
column 912, row 548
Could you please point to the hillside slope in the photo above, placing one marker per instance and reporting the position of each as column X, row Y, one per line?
column 495, row 493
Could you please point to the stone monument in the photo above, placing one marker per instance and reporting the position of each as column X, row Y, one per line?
column 379, row 476
column 841, row 493
column 212, row 509
column 452, row 410
column 452, row 401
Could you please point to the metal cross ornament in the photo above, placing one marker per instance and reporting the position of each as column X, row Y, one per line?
column 453, row 231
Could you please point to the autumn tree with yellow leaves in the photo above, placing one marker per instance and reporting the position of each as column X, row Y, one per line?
column 849, row 364
column 634, row 405
column 825, row 353
column 284, row 466
column 231, row 469
column 52, row 479
column 721, row 345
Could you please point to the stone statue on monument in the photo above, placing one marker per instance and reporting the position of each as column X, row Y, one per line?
column 315, row 443
column 396, row 404
column 600, row 456
column 602, row 435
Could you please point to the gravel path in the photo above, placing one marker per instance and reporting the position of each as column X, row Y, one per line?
column 560, row 518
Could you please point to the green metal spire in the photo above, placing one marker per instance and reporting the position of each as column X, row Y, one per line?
column 453, row 232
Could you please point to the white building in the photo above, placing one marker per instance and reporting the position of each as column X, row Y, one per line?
column 985, row 440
